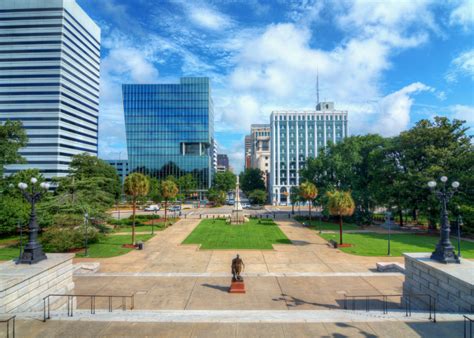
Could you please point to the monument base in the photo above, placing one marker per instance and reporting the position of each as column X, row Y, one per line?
column 238, row 217
column 452, row 285
column 237, row 287
column 23, row 287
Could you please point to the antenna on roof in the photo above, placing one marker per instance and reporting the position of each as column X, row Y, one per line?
column 317, row 87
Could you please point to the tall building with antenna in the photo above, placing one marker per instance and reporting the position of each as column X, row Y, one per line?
column 297, row 135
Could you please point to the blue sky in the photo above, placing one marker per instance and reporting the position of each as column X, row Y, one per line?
column 389, row 63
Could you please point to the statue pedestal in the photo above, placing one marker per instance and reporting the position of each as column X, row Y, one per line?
column 238, row 217
column 237, row 287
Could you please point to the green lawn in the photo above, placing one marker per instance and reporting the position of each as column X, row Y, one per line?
column 9, row 253
column 372, row 244
column 255, row 234
column 111, row 245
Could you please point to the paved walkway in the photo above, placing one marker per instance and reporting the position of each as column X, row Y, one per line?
column 310, row 253
column 395, row 329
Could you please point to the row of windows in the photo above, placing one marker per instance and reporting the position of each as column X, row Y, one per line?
column 33, row 136
column 59, row 128
column 44, row 118
column 61, row 145
column 329, row 117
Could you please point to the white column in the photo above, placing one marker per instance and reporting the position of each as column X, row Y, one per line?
column 343, row 126
column 297, row 150
column 306, row 136
column 277, row 152
column 333, row 129
column 287, row 146
column 315, row 136
column 324, row 130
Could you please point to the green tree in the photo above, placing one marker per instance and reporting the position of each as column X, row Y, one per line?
column 168, row 190
column 347, row 165
column 154, row 193
column 14, row 209
column 251, row 179
column 187, row 184
column 224, row 181
column 340, row 203
column 136, row 185
column 295, row 197
column 216, row 196
column 308, row 193
column 258, row 196
column 12, row 138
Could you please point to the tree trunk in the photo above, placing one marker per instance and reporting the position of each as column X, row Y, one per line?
column 166, row 209
column 400, row 215
column 133, row 220
column 340, row 229
column 309, row 213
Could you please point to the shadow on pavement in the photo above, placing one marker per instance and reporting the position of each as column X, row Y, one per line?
column 217, row 287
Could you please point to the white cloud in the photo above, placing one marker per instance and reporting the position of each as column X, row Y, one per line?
column 462, row 65
column 207, row 17
column 393, row 115
column 463, row 15
column 462, row 112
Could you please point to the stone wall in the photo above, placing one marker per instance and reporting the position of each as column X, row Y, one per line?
column 23, row 287
column 451, row 284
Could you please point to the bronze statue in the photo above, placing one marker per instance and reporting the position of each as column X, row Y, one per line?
column 237, row 267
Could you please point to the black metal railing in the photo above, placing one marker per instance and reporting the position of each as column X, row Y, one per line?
column 407, row 299
column 7, row 321
column 70, row 303
column 468, row 323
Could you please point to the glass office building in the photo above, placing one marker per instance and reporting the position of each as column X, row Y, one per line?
column 297, row 135
column 49, row 80
column 170, row 129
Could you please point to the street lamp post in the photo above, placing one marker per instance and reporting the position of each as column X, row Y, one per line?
column 459, row 224
column 86, row 221
column 33, row 252
column 444, row 251
column 153, row 222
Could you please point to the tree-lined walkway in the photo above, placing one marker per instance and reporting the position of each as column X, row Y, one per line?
column 309, row 253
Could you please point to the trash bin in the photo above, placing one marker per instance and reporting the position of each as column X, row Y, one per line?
column 140, row 245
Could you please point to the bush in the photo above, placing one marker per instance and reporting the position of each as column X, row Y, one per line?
column 467, row 213
column 144, row 217
column 63, row 239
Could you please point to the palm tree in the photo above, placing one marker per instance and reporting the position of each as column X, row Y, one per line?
column 308, row 192
column 294, row 197
column 169, row 190
column 340, row 203
column 136, row 185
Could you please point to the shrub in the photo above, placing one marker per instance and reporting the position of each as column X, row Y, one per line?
column 62, row 239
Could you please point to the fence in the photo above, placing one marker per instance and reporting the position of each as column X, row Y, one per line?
column 407, row 299
column 70, row 303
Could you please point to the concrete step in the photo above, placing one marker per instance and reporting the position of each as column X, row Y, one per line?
column 242, row 316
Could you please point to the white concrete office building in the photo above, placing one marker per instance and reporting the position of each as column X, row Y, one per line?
column 49, row 80
column 295, row 136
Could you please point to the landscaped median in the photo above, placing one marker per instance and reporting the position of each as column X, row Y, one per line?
column 100, row 245
column 215, row 234
column 375, row 244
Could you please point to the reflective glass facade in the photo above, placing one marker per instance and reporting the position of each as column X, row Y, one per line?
column 170, row 129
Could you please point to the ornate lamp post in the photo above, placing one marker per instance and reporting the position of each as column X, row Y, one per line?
column 33, row 252
column 444, row 251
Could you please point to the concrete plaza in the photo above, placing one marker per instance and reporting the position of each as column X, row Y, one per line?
column 292, row 291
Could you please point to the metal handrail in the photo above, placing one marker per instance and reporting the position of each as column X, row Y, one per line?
column 468, row 320
column 407, row 298
column 7, row 320
column 70, row 303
